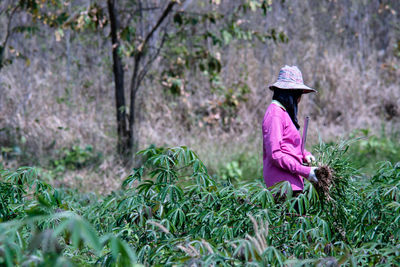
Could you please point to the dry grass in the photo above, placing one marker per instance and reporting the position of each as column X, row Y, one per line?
column 47, row 117
column 103, row 179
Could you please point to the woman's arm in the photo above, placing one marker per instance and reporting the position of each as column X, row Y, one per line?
column 273, row 136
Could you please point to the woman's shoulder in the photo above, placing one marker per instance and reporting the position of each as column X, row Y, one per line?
column 275, row 110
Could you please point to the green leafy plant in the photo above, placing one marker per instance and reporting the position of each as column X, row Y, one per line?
column 171, row 211
column 232, row 172
column 374, row 148
column 39, row 228
column 75, row 158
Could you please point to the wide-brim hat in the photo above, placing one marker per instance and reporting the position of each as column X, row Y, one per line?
column 290, row 78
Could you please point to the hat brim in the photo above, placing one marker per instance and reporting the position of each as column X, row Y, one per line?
column 292, row 86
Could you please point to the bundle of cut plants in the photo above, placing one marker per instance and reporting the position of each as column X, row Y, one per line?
column 326, row 180
column 334, row 172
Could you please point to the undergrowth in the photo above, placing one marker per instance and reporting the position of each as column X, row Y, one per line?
column 170, row 211
column 374, row 148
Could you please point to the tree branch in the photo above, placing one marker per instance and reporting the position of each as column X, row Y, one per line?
column 135, row 81
column 160, row 20
column 8, row 34
column 9, row 26
column 146, row 68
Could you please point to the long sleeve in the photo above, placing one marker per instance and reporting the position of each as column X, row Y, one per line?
column 273, row 136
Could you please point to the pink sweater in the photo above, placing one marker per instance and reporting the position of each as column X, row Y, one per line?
column 282, row 157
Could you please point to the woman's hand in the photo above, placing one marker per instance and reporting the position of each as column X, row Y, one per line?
column 309, row 159
column 312, row 177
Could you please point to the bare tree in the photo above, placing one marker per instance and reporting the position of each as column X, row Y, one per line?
column 142, row 61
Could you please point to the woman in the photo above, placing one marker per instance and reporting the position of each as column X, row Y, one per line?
column 282, row 156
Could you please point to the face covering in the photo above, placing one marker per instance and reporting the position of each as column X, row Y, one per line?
column 288, row 98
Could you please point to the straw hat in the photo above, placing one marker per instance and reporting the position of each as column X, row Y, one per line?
column 290, row 77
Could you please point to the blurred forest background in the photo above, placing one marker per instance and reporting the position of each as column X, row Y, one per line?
column 189, row 72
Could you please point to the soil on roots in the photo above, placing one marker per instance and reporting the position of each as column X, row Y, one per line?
column 325, row 179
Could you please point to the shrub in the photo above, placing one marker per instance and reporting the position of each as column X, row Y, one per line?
column 75, row 158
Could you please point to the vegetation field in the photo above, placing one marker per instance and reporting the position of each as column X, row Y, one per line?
column 171, row 211
column 85, row 85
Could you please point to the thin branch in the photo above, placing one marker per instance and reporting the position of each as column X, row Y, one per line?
column 135, row 81
column 138, row 56
column 9, row 26
column 146, row 68
column 160, row 20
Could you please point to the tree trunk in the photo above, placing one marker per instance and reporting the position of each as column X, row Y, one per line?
column 123, row 134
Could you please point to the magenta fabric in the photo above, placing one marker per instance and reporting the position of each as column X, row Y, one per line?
column 282, row 157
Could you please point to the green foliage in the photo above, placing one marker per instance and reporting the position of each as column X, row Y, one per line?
column 244, row 166
column 372, row 149
column 232, row 172
column 184, row 50
column 75, row 158
column 170, row 211
column 40, row 227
